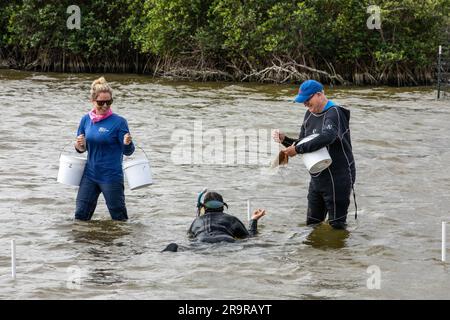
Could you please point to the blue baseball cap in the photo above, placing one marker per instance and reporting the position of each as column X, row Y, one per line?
column 307, row 89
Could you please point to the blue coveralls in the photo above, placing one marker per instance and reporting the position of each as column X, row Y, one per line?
column 103, row 172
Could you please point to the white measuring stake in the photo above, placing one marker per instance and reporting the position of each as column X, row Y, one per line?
column 444, row 238
column 248, row 209
column 13, row 259
column 440, row 50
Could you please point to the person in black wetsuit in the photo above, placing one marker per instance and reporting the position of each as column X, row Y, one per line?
column 329, row 190
column 216, row 226
column 212, row 225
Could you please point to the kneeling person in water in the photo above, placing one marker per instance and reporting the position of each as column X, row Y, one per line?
column 216, row 226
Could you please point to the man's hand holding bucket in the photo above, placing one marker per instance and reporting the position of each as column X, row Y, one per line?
column 290, row 151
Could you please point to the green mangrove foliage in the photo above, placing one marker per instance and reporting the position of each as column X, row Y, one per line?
column 252, row 40
column 37, row 36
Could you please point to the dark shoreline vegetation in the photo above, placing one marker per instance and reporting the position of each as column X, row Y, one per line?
column 277, row 41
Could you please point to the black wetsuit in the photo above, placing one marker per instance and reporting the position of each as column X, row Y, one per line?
column 329, row 191
column 218, row 226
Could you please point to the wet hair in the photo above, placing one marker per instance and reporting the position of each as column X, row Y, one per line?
column 214, row 198
column 100, row 85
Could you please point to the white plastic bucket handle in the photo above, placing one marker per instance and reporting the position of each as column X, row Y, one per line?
column 142, row 151
column 65, row 146
column 145, row 153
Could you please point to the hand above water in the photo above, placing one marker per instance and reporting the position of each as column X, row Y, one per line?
column 258, row 213
column 278, row 136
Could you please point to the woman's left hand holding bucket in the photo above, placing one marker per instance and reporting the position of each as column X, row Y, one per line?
column 127, row 139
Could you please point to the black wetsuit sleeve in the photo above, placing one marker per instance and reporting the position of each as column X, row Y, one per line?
column 238, row 229
column 287, row 142
column 301, row 135
column 253, row 227
column 241, row 232
column 190, row 232
column 327, row 136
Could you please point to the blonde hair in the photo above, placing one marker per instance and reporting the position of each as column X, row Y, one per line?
column 100, row 85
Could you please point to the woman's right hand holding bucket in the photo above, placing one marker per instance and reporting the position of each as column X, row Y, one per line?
column 80, row 143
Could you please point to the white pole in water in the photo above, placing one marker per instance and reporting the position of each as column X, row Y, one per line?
column 444, row 238
column 13, row 259
column 248, row 209
column 439, row 73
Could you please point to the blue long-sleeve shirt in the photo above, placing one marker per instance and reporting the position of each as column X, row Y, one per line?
column 104, row 143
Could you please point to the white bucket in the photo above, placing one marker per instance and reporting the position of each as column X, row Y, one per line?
column 138, row 173
column 71, row 170
column 318, row 160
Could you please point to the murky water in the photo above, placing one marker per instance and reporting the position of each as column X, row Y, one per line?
column 401, row 141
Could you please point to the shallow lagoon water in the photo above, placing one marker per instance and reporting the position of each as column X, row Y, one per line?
column 401, row 140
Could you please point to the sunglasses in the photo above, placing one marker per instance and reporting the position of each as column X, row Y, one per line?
column 310, row 97
column 101, row 103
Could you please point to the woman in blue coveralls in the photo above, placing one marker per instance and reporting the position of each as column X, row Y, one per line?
column 106, row 138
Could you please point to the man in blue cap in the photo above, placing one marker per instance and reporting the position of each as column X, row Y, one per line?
column 329, row 190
